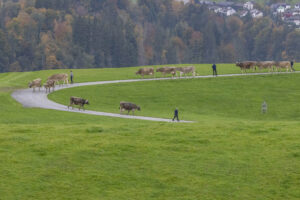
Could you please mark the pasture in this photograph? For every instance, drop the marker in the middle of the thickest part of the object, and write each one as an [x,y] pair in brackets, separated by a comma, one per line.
[231,152]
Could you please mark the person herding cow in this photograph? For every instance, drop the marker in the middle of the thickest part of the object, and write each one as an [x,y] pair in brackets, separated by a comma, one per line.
[214,67]
[78,101]
[176,115]
[129,107]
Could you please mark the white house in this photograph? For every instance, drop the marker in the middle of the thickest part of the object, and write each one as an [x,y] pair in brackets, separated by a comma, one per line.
[243,13]
[297,6]
[256,13]
[248,5]
[280,9]
[230,11]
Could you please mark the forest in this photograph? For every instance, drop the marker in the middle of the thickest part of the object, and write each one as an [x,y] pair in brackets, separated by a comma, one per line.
[53,34]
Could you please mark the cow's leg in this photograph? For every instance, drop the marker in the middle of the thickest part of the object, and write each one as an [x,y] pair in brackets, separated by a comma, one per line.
[128,112]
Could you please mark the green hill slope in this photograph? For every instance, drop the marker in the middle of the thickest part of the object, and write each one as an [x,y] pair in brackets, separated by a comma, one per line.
[46,154]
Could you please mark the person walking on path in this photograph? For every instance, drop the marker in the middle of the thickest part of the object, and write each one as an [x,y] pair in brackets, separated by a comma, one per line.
[264,107]
[292,64]
[214,67]
[71,76]
[176,115]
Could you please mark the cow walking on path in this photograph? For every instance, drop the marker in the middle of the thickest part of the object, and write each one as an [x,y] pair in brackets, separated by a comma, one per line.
[78,101]
[49,84]
[145,71]
[283,65]
[167,70]
[60,77]
[35,83]
[186,70]
[129,107]
[246,65]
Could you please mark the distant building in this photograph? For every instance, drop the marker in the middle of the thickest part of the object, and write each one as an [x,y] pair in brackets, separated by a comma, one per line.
[243,13]
[256,13]
[297,6]
[280,9]
[248,5]
[230,11]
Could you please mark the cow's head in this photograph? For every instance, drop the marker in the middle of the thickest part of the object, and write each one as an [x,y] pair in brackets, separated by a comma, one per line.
[86,102]
[139,108]
[138,72]
[30,84]
[159,69]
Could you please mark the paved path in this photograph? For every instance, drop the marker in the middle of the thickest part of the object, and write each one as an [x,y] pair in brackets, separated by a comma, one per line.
[39,99]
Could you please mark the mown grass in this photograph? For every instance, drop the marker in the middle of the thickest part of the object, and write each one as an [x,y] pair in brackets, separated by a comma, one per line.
[224,97]
[46,154]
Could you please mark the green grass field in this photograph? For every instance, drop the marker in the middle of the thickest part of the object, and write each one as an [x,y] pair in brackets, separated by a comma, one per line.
[231,152]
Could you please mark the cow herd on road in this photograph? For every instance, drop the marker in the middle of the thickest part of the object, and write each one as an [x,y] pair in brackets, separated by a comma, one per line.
[167,70]
[127,106]
[50,83]
[269,65]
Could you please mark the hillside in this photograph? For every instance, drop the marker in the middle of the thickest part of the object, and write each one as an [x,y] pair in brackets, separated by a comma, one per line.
[47,34]
[232,151]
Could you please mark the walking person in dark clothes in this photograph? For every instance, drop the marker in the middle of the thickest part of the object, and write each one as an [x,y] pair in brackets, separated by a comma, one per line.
[214,67]
[71,76]
[292,64]
[176,115]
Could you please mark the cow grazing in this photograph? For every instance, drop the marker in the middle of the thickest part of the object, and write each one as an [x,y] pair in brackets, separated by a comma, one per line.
[49,84]
[266,65]
[246,65]
[129,107]
[60,77]
[167,70]
[145,71]
[35,83]
[186,70]
[284,65]
[78,101]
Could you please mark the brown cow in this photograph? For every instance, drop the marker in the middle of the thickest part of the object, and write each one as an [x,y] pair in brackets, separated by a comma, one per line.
[78,101]
[49,84]
[129,107]
[167,70]
[35,83]
[284,65]
[145,71]
[246,65]
[266,65]
[59,77]
[186,70]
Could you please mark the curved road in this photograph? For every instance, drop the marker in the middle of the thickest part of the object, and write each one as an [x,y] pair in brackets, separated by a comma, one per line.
[40,100]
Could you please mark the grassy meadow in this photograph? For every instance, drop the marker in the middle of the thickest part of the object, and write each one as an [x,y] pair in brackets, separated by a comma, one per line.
[230,152]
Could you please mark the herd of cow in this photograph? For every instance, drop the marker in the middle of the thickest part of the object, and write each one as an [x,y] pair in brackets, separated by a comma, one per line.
[270,65]
[127,106]
[167,70]
[50,83]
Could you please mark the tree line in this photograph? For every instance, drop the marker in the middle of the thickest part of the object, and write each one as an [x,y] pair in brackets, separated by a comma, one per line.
[51,34]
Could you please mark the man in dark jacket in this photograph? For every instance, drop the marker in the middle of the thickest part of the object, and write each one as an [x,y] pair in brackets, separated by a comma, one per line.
[214,67]
[292,64]
[176,115]
[71,76]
